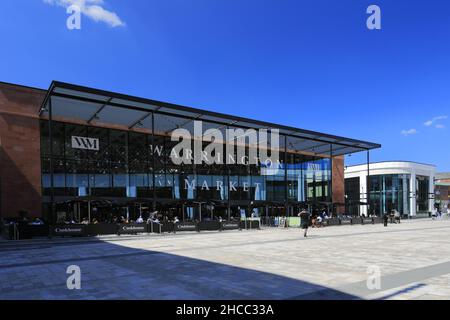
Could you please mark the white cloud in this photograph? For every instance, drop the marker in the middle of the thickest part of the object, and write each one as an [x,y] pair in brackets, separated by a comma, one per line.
[429,123]
[409,132]
[439,126]
[92,9]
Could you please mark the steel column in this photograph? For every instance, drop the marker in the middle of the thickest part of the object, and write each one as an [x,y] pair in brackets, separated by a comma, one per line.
[368,183]
[153,163]
[52,185]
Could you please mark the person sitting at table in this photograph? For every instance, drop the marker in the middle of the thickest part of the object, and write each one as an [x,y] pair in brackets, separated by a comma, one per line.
[319,221]
[37,222]
[391,216]
[140,220]
[94,221]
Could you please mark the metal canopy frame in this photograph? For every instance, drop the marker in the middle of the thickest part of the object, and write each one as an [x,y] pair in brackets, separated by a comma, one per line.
[104,102]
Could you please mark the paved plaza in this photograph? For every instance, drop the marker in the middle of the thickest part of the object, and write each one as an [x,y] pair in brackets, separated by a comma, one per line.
[413,259]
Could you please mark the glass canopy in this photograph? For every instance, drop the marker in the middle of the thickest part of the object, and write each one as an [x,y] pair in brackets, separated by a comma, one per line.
[98,107]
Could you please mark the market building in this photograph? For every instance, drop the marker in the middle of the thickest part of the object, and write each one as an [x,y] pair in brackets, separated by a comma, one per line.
[71,152]
[401,185]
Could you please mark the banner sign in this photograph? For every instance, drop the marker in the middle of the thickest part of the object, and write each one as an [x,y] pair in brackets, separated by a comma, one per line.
[186,227]
[69,230]
[230,225]
[85,143]
[132,228]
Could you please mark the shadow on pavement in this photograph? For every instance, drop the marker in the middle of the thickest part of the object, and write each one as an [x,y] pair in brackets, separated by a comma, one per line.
[113,271]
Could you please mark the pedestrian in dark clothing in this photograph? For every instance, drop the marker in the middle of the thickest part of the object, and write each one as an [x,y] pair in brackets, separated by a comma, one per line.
[304,221]
[386,219]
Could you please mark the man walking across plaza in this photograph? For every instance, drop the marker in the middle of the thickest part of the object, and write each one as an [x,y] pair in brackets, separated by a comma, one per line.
[386,219]
[304,221]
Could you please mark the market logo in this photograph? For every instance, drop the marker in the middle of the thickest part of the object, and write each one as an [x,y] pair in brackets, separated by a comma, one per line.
[85,143]
[244,147]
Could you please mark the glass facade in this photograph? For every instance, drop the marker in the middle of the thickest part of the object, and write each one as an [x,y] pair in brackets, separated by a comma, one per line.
[388,192]
[352,196]
[422,194]
[127,165]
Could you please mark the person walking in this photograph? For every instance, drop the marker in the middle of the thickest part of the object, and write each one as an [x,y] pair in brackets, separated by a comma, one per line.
[304,221]
[386,219]
[397,216]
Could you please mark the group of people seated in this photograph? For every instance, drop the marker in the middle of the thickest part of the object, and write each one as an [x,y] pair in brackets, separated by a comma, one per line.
[318,219]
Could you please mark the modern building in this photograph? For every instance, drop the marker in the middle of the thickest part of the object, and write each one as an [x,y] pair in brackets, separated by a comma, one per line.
[442,191]
[71,152]
[405,186]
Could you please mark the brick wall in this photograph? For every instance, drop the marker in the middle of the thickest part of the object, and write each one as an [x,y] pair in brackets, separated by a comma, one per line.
[20,165]
[338,182]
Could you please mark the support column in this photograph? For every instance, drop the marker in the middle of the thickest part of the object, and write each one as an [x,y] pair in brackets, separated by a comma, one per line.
[431,194]
[153,163]
[285,179]
[413,195]
[52,183]
[331,212]
[405,196]
[363,193]
[89,211]
[368,184]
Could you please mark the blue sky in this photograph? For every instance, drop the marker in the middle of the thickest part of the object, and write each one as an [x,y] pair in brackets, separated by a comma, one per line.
[309,64]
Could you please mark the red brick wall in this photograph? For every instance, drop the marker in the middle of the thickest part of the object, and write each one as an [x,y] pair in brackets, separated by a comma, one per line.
[20,165]
[338,182]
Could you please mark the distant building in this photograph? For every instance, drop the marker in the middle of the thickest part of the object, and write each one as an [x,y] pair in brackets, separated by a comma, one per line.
[405,186]
[442,190]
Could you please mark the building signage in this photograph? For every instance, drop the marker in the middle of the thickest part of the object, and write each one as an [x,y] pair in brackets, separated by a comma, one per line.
[230,225]
[133,228]
[186,226]
[85,143]
[68,230]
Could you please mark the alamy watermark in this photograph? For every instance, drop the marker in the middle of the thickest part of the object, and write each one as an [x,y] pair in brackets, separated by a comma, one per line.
[373,277]
[73,22]
[233,146]
[374,20]
[74,280]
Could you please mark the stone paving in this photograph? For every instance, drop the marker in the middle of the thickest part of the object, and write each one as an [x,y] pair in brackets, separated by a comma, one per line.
[332,263]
